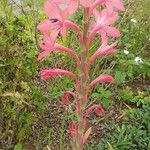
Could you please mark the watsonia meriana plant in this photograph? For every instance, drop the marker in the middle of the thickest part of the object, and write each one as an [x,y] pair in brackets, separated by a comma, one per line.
[98,18]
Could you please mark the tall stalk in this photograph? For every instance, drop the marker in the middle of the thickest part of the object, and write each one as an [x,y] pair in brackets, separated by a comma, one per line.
[58,23]
[83,80]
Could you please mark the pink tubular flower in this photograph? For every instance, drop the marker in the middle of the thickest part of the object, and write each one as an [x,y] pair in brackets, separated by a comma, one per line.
[117,4]
[47,45]
[100,79]
[65,97]
[104,20]
[73,128]
[104,50]
[58,11]
[45,74]
[97,108]
[69,51]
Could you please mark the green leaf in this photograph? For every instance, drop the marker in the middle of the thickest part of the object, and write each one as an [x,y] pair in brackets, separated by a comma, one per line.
[105,103]
[18,146]
[148,147]
[95,95]
[110,146]
[120,77]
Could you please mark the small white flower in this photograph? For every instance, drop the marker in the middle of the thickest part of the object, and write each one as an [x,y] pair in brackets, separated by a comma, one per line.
[126,52]
[138,60]
[133,20]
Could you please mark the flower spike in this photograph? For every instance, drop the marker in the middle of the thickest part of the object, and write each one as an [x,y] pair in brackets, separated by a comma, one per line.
[96,20]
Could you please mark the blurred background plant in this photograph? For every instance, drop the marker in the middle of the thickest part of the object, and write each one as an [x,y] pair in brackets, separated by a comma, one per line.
[29,120]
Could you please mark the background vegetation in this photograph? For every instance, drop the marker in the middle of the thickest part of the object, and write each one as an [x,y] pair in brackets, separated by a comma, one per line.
[31,115]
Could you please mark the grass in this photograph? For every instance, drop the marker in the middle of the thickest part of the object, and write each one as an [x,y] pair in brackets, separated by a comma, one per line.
[32,116]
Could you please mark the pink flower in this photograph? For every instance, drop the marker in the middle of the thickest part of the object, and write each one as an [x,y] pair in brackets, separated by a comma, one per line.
[45,74]
[103,50]
[47,45]
[110,4]
[91,3]
[57,12]
[73,128]
[100,79]
[117,4]
[104,20]
[97,108]
[65,97]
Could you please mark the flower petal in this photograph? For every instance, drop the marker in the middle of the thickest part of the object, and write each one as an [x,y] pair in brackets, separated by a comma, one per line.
[52,10]
[109,7]
[118,5]
[44,26]
[47,45]
[67,7]
[86,135]
[103,20]
[43,54]
[111,18]
[86,3]
[73,6]
[112,31]
[45,74]
[97,3]
[100,111]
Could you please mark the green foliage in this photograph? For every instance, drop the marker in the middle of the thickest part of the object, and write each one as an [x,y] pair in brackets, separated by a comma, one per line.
[132,133]
[18,146]
[127,95]
[23,102]
[120,77]
[102,96]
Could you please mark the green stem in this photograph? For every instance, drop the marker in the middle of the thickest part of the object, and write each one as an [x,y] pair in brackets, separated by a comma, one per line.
[83,81]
